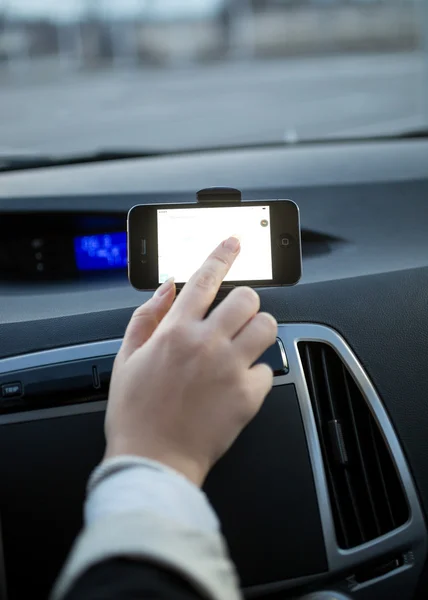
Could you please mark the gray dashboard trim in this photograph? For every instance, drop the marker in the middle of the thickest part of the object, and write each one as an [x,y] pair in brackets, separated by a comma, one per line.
[411,533]
[59,355]
[83,408]
[341,163]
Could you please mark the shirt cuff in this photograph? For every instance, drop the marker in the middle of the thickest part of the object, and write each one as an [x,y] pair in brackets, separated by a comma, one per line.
[130,484]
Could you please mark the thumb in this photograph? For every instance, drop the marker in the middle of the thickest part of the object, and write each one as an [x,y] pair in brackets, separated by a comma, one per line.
[146,318]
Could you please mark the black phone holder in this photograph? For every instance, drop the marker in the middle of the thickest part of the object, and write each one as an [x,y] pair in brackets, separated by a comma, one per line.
[220,195]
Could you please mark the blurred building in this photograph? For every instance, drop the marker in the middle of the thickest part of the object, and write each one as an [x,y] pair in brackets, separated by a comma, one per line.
[89,33]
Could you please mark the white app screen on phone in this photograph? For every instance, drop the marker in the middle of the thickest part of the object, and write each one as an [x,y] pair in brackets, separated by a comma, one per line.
[186,236]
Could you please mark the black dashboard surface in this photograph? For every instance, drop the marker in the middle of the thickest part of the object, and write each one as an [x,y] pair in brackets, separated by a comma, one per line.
[370,198]
[371,286]
[240,487]
[375,228]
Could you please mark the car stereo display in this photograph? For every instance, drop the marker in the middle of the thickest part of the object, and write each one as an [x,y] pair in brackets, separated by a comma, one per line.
[101,251]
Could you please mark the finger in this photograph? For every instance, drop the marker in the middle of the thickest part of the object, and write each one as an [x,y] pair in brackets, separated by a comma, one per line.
[256,337]
[200,291]
[146,318]
[260,381]
[230,316]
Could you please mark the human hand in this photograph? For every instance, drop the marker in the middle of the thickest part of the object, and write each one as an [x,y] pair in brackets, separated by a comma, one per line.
[183,386]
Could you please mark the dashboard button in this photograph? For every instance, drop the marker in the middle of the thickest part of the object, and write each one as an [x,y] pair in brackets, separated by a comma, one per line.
[105,367]
[276,357]
[11,390]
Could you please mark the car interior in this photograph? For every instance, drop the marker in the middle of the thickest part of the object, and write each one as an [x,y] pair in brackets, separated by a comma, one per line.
[325,494]
[327,489]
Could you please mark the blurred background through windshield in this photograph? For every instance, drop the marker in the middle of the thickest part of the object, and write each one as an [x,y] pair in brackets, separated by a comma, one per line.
[86,75]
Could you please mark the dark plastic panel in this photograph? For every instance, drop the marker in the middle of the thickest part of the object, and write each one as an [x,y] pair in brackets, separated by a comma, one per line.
[264,494]
[57,385]
[265,501]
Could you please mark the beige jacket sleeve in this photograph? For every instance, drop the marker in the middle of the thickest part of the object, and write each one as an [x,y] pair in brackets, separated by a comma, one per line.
[141,510]
[200,558]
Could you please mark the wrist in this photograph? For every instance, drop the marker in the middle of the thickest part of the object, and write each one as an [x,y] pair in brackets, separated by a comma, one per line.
[193,470]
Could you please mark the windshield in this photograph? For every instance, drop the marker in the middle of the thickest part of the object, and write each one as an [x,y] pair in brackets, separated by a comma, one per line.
[84,75]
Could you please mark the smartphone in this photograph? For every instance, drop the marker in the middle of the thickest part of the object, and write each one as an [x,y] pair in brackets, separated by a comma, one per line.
[173,240]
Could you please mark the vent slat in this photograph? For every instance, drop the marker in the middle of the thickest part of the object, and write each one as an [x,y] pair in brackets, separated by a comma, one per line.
[362,461]
[313,392]
[335,414]
[390,512]
[366,495]
[327,382]
[355,507]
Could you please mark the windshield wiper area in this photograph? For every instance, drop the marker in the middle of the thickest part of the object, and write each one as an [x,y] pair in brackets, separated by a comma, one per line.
[414,134]
[23,162]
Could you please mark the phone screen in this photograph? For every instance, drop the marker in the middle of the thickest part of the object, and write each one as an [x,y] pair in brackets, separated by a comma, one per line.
[187,236]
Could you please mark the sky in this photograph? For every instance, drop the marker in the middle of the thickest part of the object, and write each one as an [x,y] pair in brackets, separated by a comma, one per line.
[70,9]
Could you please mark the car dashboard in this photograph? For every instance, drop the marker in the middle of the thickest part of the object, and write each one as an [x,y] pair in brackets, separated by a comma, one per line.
[327,489]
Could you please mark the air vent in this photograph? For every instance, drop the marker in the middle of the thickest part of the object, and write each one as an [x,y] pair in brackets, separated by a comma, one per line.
[366,495]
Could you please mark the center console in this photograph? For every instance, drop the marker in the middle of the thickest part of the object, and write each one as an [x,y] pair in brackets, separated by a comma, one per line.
[315,494]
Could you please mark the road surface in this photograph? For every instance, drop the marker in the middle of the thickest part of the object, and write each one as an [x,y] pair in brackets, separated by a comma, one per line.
[236,102]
